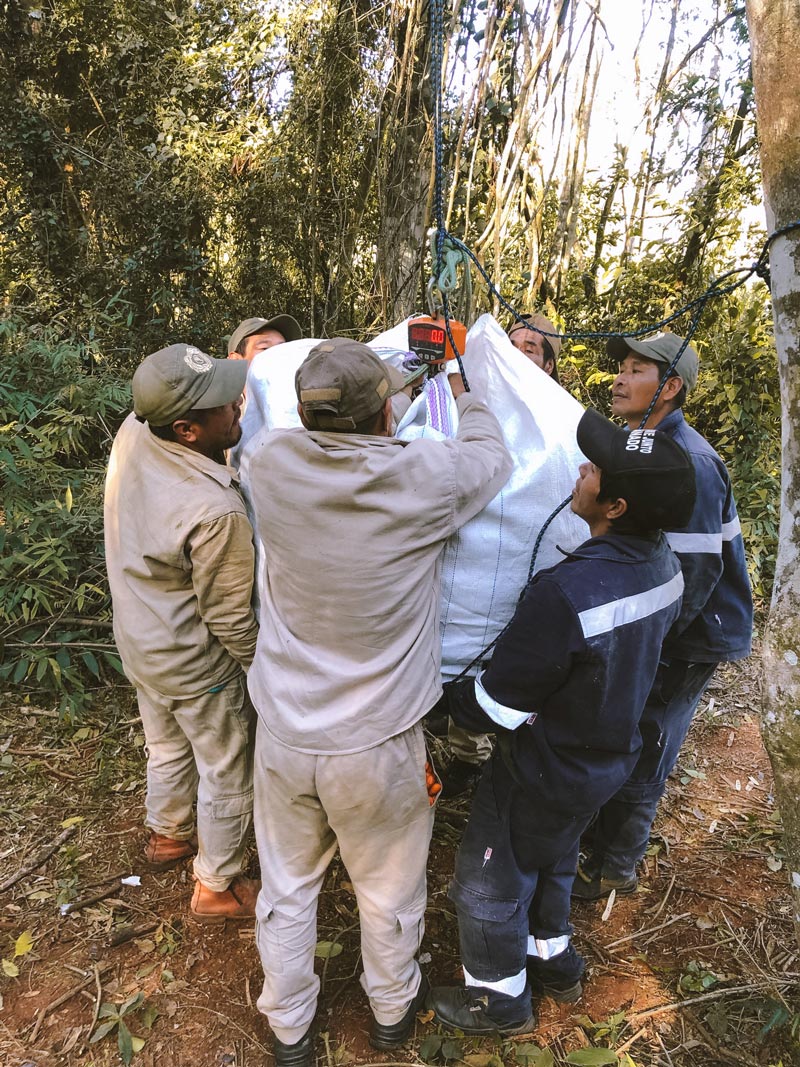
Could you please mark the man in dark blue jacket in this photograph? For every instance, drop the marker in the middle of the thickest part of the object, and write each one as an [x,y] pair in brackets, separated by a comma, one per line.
[563,692]
[715,622]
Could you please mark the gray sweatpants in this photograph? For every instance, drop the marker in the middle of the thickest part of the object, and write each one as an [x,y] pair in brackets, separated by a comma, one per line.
[374,804]
[202,748]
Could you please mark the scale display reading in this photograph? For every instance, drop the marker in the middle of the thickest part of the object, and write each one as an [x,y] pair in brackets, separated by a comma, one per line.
[431,334]
[428,340]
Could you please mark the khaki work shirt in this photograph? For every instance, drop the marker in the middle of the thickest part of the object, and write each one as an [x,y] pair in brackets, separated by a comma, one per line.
[350,530]
[180,560]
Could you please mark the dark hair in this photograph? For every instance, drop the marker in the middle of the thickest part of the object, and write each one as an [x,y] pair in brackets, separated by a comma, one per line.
[165,433]
[637,519]
[371,425]
[547,348]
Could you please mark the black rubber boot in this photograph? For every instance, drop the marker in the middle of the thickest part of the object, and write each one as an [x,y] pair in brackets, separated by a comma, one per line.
[393,1035]
[300,1054]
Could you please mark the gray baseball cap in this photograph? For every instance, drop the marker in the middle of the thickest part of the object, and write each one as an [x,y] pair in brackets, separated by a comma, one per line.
[661,348]
[342,382]
[284,324]
[172,381]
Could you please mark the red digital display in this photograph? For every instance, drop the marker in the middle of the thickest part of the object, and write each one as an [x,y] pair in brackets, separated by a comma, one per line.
[427,333]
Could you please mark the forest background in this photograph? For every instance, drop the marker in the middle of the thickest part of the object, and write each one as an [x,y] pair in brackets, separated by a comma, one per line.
[167,169]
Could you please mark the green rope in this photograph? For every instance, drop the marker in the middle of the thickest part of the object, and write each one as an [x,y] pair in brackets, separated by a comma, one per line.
[442,287]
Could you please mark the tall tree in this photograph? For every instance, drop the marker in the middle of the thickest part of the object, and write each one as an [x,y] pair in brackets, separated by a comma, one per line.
[774,30]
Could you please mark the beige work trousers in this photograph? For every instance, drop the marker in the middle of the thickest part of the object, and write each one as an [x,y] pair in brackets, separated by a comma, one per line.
[201,748]
[375,806]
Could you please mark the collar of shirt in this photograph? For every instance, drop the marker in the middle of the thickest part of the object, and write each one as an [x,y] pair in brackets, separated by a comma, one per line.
[671,421]
[220,472]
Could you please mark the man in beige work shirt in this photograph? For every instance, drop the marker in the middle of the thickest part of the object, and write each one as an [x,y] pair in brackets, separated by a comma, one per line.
[351,522]
[180,563]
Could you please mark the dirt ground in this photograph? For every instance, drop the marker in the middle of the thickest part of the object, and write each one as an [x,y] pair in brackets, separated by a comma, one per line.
[699,967]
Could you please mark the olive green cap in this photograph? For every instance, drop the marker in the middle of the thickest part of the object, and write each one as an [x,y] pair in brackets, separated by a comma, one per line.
[172,381]
[661,348]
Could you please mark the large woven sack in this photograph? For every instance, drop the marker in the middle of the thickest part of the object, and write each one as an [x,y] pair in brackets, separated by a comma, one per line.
[485,565]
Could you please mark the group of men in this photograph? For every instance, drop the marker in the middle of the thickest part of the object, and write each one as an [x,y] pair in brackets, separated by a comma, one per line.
[308,719]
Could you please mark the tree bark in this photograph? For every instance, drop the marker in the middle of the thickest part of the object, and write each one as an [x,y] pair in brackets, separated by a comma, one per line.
[774,30]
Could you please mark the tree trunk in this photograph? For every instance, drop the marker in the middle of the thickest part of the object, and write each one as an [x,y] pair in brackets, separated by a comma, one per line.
[774,31]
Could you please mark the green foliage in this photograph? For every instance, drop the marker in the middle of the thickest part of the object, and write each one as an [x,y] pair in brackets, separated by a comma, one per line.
[59,405]
[607,1030]
[113,1016]
[737,407]
[696,978]
[439,1048]
[529,1055]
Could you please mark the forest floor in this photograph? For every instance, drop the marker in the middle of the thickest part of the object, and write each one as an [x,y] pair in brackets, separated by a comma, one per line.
[698,967]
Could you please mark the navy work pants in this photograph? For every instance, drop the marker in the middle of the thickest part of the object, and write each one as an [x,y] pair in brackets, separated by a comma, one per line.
[622,830]
[513,877]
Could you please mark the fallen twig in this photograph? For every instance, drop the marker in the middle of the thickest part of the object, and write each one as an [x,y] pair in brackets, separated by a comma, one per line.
[96,1013]
[631,1040]
[38,859]
[740,1058]
[665,898]
[84,902]
[45,1011]
[651,930]
[128,933]
[717,993]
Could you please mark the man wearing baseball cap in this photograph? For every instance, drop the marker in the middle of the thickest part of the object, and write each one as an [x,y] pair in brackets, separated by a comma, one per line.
[716,619]
[537,338]
[563,693]
[255,335]
[180,560]
[351,523]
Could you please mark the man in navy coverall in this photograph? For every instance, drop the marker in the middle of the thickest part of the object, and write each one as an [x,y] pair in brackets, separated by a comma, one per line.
[563,692]
[715,623]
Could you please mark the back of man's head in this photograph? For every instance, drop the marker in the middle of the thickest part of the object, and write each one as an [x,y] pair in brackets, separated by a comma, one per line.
[342,386]
[645,468]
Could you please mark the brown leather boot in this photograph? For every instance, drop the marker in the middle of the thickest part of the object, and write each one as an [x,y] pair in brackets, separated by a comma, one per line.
[238,901]
[163,852]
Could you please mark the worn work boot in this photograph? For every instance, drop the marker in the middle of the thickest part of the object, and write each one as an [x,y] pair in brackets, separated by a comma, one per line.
[393,1035]
[559,977]
[238,901]
[465,1009]
[300,1054]
[163,852]
[592,883]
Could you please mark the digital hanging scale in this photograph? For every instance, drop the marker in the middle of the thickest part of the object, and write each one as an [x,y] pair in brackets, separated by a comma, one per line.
[427,338]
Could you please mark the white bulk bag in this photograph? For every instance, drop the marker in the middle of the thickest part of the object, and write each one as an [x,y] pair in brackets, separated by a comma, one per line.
[485,565]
